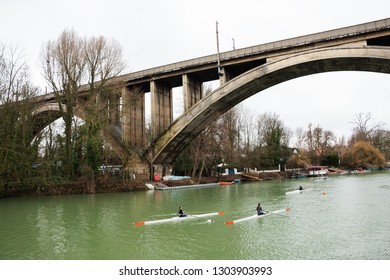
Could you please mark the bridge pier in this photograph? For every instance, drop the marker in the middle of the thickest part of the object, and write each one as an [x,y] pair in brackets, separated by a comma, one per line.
[133,116]
[162,169]
[224,76]
[162,109]
[113,109]
[192,91]
[136,168]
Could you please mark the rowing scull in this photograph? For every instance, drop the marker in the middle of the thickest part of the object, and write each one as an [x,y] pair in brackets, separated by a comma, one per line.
[299,191]
[257,216]
[178,219]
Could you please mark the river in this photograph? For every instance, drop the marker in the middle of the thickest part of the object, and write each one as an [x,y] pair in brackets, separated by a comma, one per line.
[343,218]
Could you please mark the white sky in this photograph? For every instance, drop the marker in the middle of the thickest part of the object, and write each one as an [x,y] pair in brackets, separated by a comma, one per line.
[154,33]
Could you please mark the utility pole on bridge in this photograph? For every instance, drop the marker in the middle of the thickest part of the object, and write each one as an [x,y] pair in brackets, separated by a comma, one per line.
[220,72]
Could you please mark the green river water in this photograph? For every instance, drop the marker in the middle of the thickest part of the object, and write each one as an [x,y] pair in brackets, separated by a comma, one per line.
[344,217]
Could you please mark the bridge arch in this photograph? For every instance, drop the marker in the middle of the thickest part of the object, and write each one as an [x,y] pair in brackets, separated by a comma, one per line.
[44,115]
[48,113]
[169,145]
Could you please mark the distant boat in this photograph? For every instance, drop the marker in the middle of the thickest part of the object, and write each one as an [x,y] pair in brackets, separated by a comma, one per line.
[175,178]
[298,175]
[256,216]
[321,178]
[178,219]
[299,191]
[226,183]
[316,171]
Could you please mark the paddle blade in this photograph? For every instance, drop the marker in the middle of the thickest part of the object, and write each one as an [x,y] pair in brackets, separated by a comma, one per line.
[138,224]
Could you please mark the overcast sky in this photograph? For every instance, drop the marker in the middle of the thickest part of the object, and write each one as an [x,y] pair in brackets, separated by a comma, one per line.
[155,33]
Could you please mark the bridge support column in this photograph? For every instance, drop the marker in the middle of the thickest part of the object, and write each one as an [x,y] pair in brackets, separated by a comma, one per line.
[162,109]
[113,107]
[192,91]
[133,116]
[162,170]
[224,76]
[136,168]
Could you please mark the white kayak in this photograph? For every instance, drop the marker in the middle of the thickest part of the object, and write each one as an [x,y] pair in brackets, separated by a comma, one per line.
[299,191]
[178,219]
[257,216]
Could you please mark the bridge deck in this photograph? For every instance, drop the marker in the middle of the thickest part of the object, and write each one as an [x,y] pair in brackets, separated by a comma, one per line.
[332,37]
[241,60]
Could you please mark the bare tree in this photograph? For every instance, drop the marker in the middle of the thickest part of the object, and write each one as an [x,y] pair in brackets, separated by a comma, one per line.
[381,140]
[363,131]
[103,63]
[70,61]
[247,122]
[63,64]
[300,138]
[205,149]
[16,126]
[230,135]
[319,142]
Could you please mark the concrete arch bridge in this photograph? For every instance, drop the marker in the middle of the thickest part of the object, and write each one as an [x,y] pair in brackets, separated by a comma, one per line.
[242,73]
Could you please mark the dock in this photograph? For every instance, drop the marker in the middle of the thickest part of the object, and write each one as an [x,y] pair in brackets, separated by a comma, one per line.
[161,187]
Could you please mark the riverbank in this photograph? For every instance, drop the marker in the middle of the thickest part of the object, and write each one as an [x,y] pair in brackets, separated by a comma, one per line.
[113,184]
[103,185]
[116,184]
[45,188]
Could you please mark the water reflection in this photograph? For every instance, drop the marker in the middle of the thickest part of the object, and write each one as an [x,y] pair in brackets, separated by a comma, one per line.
[51,230]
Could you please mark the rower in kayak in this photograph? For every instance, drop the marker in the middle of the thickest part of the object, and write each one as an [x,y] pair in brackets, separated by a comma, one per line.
[259,210]
[300,188]
[181,212]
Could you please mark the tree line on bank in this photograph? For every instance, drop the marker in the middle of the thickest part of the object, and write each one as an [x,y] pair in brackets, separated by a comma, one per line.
[238,138]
